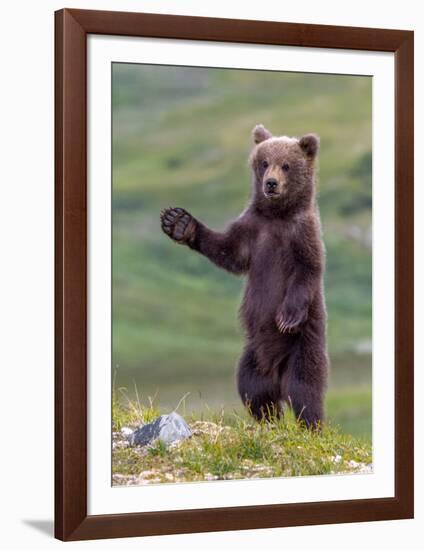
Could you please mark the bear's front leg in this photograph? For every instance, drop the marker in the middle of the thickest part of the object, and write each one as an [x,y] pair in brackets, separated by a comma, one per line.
[293,313]
[178,224]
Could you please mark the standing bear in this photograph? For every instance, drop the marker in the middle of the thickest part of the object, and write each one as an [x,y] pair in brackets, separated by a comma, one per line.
[277,243]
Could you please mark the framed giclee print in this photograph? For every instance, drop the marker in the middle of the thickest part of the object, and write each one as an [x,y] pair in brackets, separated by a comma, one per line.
[234,274]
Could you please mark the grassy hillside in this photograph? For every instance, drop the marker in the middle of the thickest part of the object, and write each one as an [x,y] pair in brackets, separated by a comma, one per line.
[231,446]
[181,137]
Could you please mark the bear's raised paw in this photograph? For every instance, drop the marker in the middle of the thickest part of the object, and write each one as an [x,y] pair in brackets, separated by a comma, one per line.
[178,224]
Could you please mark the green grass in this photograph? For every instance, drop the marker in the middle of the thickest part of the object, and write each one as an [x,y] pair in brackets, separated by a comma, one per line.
[181,137]
[233,446]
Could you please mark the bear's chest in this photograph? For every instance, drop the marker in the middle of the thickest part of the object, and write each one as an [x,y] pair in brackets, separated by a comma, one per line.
[272,255]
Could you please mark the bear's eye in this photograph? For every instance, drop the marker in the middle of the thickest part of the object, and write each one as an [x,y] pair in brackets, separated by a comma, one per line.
[265,164]
[285,167]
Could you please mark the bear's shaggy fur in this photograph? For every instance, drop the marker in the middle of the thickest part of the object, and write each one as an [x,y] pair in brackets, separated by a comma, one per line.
[277,243]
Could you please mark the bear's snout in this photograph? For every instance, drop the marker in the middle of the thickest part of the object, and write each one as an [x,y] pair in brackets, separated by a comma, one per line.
[271,184]
[272,188]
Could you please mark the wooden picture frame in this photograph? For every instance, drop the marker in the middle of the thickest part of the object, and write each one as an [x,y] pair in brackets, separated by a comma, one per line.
[71,30]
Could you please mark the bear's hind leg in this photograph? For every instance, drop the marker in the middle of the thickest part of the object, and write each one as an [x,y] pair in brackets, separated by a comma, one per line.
[259,392]
[306,384]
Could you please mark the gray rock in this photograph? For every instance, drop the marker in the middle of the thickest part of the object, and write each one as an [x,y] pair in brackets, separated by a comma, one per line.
[167,428]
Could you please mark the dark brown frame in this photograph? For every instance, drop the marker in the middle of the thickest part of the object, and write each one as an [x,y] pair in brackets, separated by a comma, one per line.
[71,30]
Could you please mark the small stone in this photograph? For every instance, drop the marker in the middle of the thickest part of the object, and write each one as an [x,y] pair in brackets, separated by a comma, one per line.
[122,444]
[125,431]
[168,428]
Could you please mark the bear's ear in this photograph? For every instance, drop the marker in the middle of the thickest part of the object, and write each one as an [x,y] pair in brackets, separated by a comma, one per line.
[260,133]
[309,145]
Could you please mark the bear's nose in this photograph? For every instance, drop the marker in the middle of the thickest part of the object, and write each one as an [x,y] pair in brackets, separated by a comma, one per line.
[271,184]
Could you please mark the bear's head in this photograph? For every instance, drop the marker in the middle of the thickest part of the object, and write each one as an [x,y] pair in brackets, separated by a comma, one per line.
[283,171]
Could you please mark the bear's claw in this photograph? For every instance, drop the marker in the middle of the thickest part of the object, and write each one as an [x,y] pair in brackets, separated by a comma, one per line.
[289,325]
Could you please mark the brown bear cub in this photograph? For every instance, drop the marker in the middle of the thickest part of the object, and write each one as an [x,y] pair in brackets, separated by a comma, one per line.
[277,243]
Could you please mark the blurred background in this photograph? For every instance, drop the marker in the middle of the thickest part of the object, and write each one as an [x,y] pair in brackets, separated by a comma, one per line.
[181,137]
